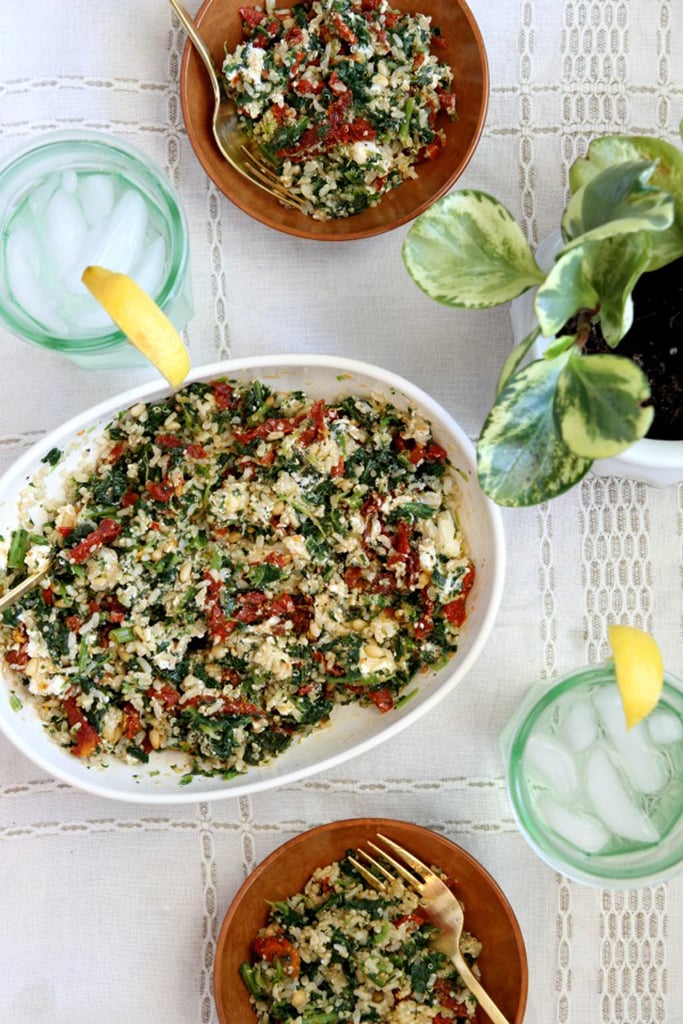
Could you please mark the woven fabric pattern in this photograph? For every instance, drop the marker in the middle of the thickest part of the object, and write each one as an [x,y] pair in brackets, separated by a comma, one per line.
[111,912]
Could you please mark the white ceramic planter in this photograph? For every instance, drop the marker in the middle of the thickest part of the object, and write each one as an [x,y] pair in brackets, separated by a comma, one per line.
[658,463]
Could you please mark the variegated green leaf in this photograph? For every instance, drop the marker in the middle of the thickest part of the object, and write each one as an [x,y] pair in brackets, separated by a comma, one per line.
[515,358]
[610,150]
[618,263]
[521,457]
[467,251]
[599,404]
[668,175]
[567,289]
[597,275]
[618,200]
[559,345]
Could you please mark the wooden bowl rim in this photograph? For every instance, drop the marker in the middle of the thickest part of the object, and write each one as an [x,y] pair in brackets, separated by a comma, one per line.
[196,98]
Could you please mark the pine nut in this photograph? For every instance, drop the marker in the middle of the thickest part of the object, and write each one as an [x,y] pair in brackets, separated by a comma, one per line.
[373,650]
[32,667]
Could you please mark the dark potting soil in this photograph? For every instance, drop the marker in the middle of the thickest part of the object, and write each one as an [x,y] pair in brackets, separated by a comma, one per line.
[655,343]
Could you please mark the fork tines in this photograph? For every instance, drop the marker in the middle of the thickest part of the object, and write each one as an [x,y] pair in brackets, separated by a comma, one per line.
[442,905]
[416,877]
[262,172]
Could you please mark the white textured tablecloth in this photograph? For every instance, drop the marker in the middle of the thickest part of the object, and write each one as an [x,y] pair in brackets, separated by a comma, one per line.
[109,911]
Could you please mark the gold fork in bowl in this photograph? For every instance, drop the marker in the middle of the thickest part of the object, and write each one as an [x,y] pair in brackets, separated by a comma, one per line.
[227,131]
[17,592]
[442,906]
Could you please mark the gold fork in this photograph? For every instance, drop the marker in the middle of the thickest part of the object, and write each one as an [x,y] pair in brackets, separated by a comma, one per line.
[20,589]
[442,906]
[227,131]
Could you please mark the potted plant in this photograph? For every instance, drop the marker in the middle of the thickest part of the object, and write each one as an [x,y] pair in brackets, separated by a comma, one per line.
[582,398]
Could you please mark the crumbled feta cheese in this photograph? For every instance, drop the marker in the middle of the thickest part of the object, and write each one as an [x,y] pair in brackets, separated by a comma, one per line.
[273,659]
[266,577]
[103,569]
[296,63]
[447,542]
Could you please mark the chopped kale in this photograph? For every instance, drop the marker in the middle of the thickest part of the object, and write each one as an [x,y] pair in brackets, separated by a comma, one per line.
[260,543]
[52,457]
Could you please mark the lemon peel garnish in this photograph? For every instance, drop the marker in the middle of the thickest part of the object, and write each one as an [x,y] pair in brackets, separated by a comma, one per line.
[145,325]
[639,671]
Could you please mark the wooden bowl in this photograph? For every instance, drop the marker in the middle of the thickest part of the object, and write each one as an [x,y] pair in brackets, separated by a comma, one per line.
[488,915]
[219,23]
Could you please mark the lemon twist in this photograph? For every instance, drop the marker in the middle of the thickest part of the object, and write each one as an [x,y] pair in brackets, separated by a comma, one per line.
[639,671]
[141,320]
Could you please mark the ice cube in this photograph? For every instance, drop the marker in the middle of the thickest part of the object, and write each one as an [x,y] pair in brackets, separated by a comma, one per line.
[23,247]
[664,726]
[580,829]
[69,181]
[553,764]
[89,316]
[120,243]
[610,709]
[24,270]
[646,767]
[65,229]
[612,803]
[40,196]
[96,196]
[148,272]
[579,727]
[115,242]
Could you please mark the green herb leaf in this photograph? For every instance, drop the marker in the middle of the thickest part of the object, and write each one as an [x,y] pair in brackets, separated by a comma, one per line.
[263,573]
[467,251]
[52,457]
[598,404]
[423,969]
[123,634]
[411,510]
[18,548]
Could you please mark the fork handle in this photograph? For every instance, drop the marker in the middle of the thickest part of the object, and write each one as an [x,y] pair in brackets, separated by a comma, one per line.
[484,999]
[199,44]
[23,588]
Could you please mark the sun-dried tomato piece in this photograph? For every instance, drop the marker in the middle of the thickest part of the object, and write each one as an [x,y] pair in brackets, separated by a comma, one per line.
[87,739]
[107,531]
[455,611]
[223,394]
[161,492]
[277,947]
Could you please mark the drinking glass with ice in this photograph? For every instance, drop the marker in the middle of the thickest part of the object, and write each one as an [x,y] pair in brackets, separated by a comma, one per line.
[600,803]
[72,200]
